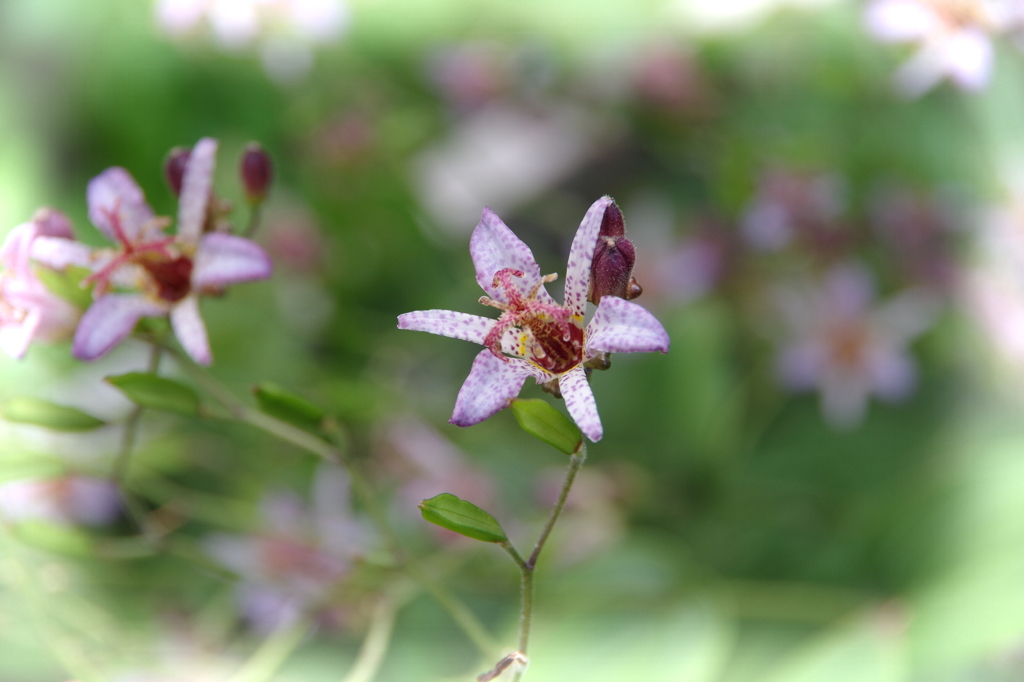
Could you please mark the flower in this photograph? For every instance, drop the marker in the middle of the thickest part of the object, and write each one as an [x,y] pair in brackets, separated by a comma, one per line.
[291,565]
[845,347]
[67,499]
[792,206]
[170,272]
[953,35]
[28,310]
[534,336]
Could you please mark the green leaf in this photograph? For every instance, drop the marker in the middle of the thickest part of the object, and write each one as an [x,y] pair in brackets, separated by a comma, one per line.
[49,415]
[465,518]
[539,419]
[67,284]
[157,393]
[288,407]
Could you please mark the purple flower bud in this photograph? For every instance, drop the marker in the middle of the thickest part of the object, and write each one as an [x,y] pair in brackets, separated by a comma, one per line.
[174,168]
[257,172]
[612,267]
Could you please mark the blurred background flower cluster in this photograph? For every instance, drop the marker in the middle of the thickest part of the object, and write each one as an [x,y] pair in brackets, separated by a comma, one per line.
[821,481]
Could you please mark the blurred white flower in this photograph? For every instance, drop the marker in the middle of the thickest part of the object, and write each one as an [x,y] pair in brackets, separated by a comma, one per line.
[291,564]
[284,30]
[65,500]
[845,346]
[502,156]
[953,39]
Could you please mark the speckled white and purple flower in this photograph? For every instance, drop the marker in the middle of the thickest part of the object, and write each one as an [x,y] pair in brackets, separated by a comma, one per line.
[534,336]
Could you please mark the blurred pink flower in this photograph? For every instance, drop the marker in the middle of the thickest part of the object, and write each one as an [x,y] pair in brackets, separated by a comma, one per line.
[28,310]
[952,37]
[534,336]
[919,231]
[469,75]
[593,521]
[847,348]
[170,272]
[429,464]
[289,566]
[69,499]
[791,206]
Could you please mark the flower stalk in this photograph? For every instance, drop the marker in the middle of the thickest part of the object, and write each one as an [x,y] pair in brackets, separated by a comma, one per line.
[528,566]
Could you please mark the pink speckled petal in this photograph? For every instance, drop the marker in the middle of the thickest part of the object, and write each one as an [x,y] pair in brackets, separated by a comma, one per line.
[447,323]
[117,205]
[195,190]
[620,326]
[494,247]
[189,328]
[579,400]
[226,259]
[14,253]
[58,253]
[15,337]
[108,321]
[581,254]
[490,385]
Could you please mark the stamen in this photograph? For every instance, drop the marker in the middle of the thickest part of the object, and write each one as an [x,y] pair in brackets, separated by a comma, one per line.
[487,300]
[546,279]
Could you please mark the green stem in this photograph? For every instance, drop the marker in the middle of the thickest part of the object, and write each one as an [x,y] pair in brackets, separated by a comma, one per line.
[463,617]
[528,567]
[255,212]
[131,427]
[272,654]
[575,463]
[371,653]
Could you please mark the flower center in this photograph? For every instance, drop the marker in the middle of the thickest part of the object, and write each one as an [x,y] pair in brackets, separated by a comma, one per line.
[172,276]
[848,345]
[544,333]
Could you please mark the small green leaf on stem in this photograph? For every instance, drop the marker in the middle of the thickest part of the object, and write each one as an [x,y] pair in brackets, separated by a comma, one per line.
[288,407]
[542,421]
[49,415]
[157,393]
[465,518]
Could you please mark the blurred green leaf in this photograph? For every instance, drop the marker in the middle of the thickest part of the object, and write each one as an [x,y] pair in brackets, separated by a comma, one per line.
[157,393]
[541,420]
[49,415]
[67,284]
[288,407]
[465,518]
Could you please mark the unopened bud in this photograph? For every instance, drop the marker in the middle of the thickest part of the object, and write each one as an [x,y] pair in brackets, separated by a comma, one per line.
[50,222]
[257,172]
[612,267]
[174,168]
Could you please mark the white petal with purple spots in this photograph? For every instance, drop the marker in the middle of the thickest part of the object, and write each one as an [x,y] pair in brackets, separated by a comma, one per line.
[195,190]
[490,385]
[225,259]
[579,400]
[494,247]
[190,330]
[581,254]
[117,204]
[620,326]
[447,323]
[108,321]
